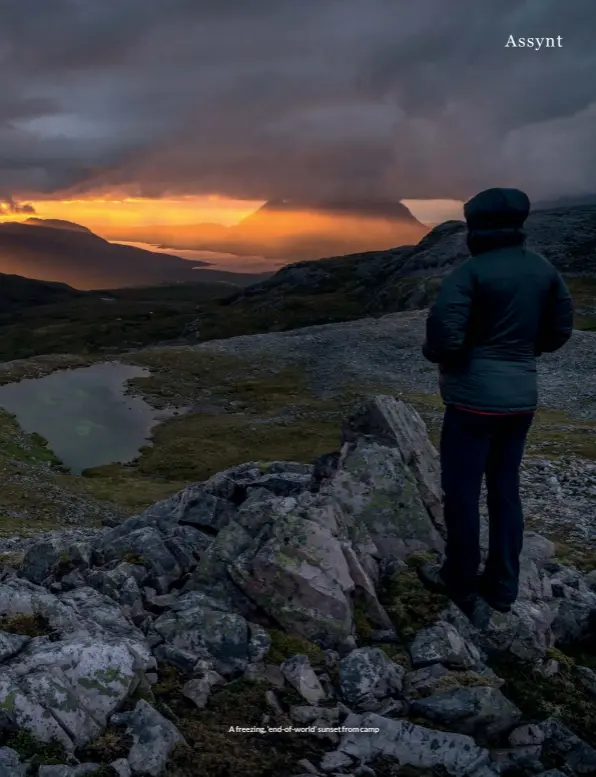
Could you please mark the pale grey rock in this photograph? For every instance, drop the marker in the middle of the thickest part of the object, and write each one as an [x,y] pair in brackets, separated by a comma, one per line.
[443,644]
[11,644]
[121,767]
[525,759]
[147,543]
[315,716]
[184,660]
[300,577]
[525,632]
[379,498]
[273,675]
[273,702]
[575,618]
[397,423]
[528,735]
[10,764]
[80,682]
[476,710]
[299,673]
[154,738]
[537,548]
[335,760]
[423,681]
[376,614]
[42,558]
[208,633]
[412,745]
[68,771]
[546,668]
[259,643]
[199,689]
[367,675]
[308,766]
[563,743]
[587,679]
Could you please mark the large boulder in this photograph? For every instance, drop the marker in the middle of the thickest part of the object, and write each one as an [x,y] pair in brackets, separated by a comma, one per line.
[366,676]
[300,576]
[476,710]
[386,482]
[408,744]
[201,627]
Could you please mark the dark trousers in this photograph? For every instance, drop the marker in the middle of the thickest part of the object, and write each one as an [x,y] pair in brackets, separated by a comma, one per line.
[473,445]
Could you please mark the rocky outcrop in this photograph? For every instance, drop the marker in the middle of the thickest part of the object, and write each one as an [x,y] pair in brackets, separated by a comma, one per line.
[199,582]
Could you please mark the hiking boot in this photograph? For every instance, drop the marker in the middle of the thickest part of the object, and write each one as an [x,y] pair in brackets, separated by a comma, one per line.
[431,578]
[480,614]
[497,604]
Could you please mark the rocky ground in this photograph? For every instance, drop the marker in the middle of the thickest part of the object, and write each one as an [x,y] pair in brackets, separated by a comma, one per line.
[268,622]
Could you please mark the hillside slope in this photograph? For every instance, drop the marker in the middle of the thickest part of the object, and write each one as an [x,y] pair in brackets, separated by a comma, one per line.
[377,282]
[18,293]
[71,254]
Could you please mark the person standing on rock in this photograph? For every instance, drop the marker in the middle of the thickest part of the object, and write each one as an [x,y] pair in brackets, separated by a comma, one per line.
[494,315]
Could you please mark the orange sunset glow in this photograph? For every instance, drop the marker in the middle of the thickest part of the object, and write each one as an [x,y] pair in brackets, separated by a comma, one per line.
[110,217]
[105,214]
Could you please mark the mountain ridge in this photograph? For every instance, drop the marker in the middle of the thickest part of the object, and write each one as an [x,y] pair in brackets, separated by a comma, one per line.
[76,256]
[293,229]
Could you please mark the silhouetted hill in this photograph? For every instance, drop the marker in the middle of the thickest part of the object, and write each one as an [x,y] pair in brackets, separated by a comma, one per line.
[18,293]
[57,224]
[567,202]
[69,253]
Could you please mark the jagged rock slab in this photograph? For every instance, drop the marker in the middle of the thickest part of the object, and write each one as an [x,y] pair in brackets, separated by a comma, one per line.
[443,644]
[367,675]
[299,673]
[398,424]
[10,763]
[377,491]
[301,578]
[562,742]
[412,745]
[476,710]
[154,738]
[203,629]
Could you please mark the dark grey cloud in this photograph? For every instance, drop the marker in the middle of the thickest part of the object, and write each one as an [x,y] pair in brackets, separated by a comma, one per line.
[300,98]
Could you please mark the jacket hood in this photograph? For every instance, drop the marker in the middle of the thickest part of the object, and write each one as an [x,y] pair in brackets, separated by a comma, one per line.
[495,209]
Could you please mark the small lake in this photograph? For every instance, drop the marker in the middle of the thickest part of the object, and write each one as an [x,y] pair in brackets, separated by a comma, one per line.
[84,413]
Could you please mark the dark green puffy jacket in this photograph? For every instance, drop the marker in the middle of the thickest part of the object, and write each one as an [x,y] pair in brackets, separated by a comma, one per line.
[493,316]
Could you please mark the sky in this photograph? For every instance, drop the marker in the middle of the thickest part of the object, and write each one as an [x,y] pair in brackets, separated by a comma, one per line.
[178,111]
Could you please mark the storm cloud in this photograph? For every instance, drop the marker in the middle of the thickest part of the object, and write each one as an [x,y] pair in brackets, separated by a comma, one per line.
[295,98]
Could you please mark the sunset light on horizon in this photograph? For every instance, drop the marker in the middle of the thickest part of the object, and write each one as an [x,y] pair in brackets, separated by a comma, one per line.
[105,214]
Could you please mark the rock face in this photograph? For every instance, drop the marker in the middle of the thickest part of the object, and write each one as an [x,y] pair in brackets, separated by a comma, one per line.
[197,582]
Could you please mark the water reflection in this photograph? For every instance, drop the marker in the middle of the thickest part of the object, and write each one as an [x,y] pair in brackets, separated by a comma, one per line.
[84,413]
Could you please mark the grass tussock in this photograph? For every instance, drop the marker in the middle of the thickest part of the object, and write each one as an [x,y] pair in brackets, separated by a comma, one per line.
[36,753]
[409,605]
[26,625]
[539,697]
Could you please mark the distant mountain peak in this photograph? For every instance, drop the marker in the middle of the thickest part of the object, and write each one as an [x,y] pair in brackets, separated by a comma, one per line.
[382,209]
[56,224]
